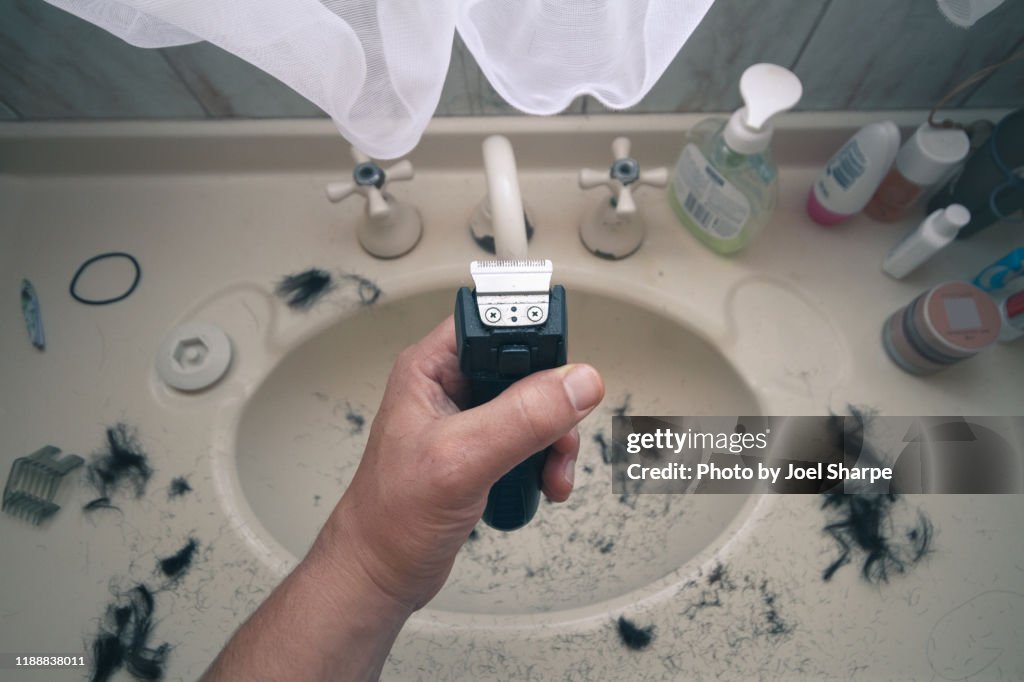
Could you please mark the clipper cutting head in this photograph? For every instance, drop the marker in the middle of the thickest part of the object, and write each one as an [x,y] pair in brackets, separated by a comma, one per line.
[512,293]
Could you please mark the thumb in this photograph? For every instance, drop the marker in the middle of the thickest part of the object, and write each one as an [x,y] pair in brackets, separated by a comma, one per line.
[525,418]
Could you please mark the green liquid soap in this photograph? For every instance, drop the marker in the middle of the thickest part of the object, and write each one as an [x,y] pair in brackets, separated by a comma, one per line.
[725,184]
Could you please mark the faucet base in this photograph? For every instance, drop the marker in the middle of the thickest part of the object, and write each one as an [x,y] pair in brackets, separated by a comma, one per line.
[394,234]
[612,236]
[481,226]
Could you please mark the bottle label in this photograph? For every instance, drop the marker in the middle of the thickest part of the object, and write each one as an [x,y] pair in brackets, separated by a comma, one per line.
[848,165]
[711,201]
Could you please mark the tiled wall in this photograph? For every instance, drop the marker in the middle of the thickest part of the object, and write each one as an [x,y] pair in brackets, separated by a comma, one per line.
[850,54]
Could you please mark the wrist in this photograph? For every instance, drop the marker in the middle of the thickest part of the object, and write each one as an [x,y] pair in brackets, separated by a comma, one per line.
[326,620]
[337,562]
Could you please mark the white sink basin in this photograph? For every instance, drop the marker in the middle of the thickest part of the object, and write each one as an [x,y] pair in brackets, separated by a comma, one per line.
[301,434]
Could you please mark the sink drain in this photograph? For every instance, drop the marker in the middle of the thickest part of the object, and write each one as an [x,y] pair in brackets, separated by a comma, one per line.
[193,356]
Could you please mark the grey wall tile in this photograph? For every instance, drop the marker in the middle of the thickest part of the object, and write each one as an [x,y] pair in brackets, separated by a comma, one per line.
[228,86]
[885,54]
[54,65]
[734,34]
[6,113]
[1005,87]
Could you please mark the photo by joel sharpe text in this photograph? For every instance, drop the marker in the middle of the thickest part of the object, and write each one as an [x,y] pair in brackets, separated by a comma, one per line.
[809,454]
[761,472]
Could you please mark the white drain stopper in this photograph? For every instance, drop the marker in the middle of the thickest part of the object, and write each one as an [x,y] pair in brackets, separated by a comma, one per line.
[194,356]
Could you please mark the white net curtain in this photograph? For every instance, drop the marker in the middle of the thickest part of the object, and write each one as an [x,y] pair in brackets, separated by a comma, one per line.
[377,66]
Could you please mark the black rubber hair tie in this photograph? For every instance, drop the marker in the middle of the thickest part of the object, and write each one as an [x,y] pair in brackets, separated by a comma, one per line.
[105,301]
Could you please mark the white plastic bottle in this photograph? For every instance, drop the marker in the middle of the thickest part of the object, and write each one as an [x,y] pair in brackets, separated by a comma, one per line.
[929,155]
[726,183]
[852,175]
[930,237]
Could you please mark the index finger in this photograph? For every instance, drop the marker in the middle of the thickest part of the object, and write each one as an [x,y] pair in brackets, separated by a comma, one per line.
[438,360]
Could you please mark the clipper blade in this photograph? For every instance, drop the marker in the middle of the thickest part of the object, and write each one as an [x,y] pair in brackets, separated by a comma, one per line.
[512,293]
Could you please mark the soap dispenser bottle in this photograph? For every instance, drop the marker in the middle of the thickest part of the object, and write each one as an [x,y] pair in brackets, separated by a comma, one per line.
[725,182]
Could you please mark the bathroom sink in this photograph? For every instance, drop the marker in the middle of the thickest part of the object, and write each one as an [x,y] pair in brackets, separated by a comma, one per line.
[267,451]
[301,434]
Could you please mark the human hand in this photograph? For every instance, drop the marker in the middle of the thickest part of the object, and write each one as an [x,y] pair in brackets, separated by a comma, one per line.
[423,480]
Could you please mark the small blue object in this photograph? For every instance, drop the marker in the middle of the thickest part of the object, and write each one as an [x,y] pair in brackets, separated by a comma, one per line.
[33,318]
[1002,272]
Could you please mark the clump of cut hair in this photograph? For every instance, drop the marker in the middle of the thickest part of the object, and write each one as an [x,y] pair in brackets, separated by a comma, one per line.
[367,289]
[178,563]
[179,486]
[123,639]
[634,637]
[122,464]
[871,528]
[303,289]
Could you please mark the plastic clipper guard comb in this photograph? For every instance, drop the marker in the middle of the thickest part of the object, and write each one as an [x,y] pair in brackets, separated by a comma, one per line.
[33,483]
[511,325]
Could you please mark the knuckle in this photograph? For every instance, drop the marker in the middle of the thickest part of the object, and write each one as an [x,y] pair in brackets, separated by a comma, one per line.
[405,358]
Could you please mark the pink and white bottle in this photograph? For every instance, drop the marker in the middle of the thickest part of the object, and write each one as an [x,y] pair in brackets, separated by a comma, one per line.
[851,177]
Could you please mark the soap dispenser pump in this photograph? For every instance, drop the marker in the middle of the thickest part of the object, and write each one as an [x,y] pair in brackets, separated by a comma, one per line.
[725,183]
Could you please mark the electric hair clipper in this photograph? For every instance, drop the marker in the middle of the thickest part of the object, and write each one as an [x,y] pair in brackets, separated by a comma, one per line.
[511,325]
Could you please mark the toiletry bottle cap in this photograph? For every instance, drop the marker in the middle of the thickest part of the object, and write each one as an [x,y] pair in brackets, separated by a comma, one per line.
[1014,305]
[767,90]
[930,152]
[949,220]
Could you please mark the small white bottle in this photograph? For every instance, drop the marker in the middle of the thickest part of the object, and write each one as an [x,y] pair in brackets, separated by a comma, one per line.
[930,237]
[1011,309]
[852,175]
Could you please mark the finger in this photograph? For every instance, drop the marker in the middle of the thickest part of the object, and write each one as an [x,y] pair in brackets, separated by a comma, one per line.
[524,419]
[560,467]
[426,376]
[436,358]
[440,340]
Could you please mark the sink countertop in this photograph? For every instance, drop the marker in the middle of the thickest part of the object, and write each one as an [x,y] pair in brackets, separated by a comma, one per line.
[217,213]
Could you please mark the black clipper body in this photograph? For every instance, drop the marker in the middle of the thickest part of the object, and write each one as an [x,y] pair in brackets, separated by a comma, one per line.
[493,357]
